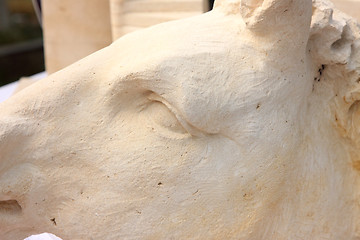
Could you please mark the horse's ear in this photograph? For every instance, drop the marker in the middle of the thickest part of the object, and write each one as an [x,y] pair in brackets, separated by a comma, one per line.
[269,14]
[251,10]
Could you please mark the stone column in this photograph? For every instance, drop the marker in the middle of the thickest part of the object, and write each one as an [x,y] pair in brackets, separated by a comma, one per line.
[128,16]
[73,30]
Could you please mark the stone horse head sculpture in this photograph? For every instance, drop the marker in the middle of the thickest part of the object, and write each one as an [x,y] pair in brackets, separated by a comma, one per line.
[241,123]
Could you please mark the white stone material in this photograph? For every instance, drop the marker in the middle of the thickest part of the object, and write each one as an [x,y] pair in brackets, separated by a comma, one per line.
[43,236]
[7,90]
[241,123]
[12,88]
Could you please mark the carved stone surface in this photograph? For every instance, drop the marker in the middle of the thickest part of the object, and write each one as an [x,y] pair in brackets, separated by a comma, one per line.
[241,123]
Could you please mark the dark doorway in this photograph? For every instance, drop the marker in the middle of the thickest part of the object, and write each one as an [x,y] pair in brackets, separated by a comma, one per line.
[21,47]
[211,4]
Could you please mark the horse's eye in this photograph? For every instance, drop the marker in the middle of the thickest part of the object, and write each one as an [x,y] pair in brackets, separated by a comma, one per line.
[161,115]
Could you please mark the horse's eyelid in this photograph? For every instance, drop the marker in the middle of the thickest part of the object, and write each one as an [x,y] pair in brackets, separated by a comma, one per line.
[155,97]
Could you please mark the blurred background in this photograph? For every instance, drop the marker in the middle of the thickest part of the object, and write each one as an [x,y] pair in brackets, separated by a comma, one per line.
[21,45]
[74,29]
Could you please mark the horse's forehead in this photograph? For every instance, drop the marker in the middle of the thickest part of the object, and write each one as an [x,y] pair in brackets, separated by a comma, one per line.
[200,33]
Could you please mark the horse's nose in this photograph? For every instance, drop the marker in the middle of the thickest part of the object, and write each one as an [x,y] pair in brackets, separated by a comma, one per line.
[21,181]
[20,190]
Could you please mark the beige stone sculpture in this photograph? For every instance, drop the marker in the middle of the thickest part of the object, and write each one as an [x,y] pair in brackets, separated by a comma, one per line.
[241,123]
